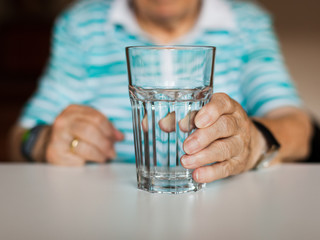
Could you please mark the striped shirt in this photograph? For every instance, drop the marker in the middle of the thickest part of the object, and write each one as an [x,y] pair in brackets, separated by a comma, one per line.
[88,65]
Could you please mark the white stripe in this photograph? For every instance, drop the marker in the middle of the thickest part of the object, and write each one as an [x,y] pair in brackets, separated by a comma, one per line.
[278,103]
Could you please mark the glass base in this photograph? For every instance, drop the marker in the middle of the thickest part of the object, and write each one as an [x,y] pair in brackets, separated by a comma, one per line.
[172,185]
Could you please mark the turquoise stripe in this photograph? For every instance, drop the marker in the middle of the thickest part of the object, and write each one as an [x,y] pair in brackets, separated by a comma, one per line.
[217,32]
[114,68]
[269,85]
[127,130]
[125,159]
[116,119]
[92,21]
[228,71]
[263,54]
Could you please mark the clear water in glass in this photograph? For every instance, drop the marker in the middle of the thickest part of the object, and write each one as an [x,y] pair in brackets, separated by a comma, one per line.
[158,118]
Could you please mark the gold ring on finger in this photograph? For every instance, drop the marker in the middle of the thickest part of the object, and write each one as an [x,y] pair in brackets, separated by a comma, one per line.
[74,144]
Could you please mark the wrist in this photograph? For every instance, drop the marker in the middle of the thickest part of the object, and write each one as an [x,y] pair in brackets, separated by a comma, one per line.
[272,146]
[40,148]
[258,146]
[34,143]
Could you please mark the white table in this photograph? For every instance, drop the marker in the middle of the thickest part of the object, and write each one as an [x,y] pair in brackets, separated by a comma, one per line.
[102,202]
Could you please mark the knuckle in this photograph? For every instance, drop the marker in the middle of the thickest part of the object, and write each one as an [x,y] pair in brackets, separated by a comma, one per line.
[197,138]
[223,149]
[235,141]
[241,114]
[224,97]
[201,137]
[226,101]
[247,128]
[201,158]
[59,122]
[63,117]
[227,169]
[87,130]
[238,144]
[70,108]
[225,123]
[241,167]
[230,124]
[98,119]
[233,122]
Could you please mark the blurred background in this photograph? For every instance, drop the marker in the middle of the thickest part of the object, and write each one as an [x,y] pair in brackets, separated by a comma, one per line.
[25,31]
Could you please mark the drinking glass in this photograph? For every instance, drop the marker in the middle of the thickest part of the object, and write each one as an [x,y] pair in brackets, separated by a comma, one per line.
[167,86]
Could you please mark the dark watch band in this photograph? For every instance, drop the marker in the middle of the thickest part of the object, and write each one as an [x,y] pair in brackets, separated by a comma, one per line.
[272,144]
[271,140]
[29,139]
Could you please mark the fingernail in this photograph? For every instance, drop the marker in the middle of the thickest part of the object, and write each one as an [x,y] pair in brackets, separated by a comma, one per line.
[187,161]
[190,146]
[196,176]
[202,120]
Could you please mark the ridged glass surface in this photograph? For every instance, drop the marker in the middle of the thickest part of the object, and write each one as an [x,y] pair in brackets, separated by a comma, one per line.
[162,120]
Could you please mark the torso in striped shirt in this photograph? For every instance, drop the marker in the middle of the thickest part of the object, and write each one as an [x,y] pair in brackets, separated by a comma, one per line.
[88,66]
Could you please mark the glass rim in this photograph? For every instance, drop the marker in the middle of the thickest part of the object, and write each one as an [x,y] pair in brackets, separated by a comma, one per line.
[173,47]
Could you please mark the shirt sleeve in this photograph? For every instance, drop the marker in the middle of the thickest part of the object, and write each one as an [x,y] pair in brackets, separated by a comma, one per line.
[265,81]
[62,80]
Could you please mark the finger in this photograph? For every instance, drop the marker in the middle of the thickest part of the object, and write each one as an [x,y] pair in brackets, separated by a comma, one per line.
[103,124]
[86,131]
[57,155]
[218,151]
[88,152]
[187,123]
[144,123]
[225,126]
[219,104]
[168,123]
[213,172]
[119,136]
[91,115]
[69,160]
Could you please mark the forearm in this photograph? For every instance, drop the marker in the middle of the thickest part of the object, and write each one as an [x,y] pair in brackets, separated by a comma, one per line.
[292,128]
[39,149]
